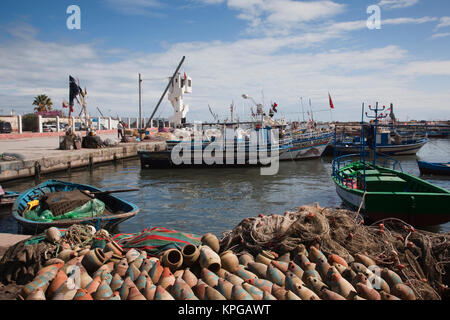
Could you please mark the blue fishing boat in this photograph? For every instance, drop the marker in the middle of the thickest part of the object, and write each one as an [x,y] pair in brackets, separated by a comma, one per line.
[386,144]
[434,168]
[61,204]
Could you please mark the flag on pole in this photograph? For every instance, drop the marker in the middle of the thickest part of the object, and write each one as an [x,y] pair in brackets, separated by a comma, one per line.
[331,101]
[274,106]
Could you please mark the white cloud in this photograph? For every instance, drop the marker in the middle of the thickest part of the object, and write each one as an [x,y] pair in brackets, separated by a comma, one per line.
[221,72]
[440,35]
[444,22]
[279,17]
[135,7]
[397,4]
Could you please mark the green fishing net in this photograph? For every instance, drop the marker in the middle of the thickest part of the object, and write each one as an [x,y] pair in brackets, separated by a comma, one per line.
[92,208]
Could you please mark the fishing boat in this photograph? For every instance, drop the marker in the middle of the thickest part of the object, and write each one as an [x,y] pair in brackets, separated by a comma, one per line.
[231,149]
[398,145]
[379,189]
[7,198]
[61,204]
[308,144]
[434,168]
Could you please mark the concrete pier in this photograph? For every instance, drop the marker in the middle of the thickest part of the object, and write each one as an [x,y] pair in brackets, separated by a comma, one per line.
[41,156]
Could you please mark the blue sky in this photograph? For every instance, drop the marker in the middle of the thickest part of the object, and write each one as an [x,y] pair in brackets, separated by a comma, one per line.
[279,49]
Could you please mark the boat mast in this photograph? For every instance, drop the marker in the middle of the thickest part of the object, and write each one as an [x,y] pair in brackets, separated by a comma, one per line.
[376,109]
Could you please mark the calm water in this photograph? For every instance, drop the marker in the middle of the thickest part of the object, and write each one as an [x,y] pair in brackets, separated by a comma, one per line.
[216,200]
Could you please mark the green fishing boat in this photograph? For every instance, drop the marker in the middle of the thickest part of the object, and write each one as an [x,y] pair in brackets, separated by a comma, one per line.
[379,189]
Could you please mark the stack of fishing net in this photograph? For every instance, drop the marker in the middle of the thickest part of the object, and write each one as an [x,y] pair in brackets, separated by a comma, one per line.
[21,262]
[421,258]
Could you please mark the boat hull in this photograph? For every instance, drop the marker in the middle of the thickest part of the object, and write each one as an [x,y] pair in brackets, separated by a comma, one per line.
[390,150]
[434,168]
[163,159]
[306,150]
[401,150]
[417,209]
[122,210]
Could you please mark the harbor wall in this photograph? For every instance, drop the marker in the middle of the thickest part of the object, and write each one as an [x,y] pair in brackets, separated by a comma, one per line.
[69,159]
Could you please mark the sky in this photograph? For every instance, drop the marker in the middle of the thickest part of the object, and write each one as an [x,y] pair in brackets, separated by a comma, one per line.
[282,51]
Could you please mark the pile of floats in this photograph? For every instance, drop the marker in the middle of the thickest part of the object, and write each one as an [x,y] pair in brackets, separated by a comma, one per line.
[204,273]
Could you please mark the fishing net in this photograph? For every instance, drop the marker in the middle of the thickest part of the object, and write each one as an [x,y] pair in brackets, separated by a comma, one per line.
[421,258]
[156,240]
[92,208]
[21,262]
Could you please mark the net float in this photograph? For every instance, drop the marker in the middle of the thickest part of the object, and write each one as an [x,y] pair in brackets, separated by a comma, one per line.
[167,278]
[268,296]
[239,293]
[291,281]
[260,269]
[367,292]
[213,294]
[315,254]
[245,258]
[327,294]
[116,282]
[341,286]
[229,261]
[365,260]
[234,279]
[391,277]
[82,294]
[190,254]
[156,271]
[404,292]
[135,294]
[256,293]
[295,269]
[387,296]
[275,275]
[211,241]
[291,296]
[334,258]
[262,284]
[149,291]
[245,274]
[305,293]
[209,277]
[209,259]
[103,292]
[281,265]
[279,292]
[189,277]
[225,288]
[162,294]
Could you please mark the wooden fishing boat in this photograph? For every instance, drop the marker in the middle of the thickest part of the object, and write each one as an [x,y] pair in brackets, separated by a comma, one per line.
[380,189]
[115,210]
[7,199]
[434,168]
[381,192]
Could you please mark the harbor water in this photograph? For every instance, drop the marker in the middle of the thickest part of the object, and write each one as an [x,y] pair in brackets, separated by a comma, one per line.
[216,200]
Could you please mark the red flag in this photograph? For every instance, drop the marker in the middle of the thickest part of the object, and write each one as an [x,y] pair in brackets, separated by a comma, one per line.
[185,76]
[331,101]
[274,107]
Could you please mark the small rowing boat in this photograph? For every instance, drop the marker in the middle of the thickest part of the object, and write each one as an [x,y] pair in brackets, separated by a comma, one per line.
[442,169]
[61,204]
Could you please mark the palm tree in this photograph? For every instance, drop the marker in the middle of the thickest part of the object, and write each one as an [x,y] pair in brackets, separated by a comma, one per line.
[42,103]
